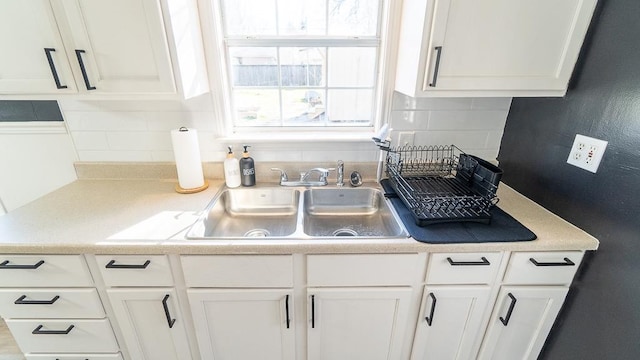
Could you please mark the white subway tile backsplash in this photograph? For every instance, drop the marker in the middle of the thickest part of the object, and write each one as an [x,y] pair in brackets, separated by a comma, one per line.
[404,102]
[167,121]
[110,155]
[465,140]
[491,103]
[409,120]
[467,120]
[90,140]
[139,141]
[105,121]
[140,130]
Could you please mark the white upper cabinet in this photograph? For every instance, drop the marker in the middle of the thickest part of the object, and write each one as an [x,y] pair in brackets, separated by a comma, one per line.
[490,47]
[117,46]
[33,56]
[93,48]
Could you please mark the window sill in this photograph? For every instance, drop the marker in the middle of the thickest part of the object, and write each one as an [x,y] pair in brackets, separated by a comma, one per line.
[33,127]
[304,136]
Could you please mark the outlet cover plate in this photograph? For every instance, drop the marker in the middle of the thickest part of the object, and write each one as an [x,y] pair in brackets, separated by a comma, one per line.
[406,138]
[587,152]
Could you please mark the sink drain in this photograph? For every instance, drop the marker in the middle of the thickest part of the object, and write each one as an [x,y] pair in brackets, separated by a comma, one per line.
[257,233]
[345,232]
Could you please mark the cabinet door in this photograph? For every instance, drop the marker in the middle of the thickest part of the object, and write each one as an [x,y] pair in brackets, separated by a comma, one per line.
[117,46]
[151,323]
[451,322]
[505,44]
[244,324]
[27,29]
[356,323]
[521,321]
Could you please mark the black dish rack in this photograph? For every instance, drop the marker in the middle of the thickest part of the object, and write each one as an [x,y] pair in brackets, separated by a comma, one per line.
[443,184]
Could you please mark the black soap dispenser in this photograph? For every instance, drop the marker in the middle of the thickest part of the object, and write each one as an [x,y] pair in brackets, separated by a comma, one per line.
[247,168]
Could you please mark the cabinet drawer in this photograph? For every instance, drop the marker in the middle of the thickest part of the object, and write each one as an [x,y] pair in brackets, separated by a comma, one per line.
[44,271]
[463,268]
[238,270]
[73,357]
[544,268]
[68,336]
[362,269]
[135,270]
[50,303]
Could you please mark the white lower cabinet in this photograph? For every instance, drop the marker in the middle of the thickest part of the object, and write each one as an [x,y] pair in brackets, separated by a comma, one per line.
[73,357]
[356,323]
[521,321]
[450,322]
[244,323]
[151,323]
[63,335]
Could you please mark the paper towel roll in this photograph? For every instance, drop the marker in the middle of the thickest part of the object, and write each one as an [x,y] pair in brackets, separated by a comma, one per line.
[187,153]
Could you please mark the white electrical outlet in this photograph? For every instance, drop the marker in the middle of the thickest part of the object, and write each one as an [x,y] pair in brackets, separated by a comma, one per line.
[405,138]
[587,152]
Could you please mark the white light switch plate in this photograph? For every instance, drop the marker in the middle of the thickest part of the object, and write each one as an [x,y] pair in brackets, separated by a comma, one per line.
[587,152]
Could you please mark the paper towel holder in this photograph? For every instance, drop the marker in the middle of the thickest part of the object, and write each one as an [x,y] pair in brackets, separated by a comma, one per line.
[193,167]
[180,190]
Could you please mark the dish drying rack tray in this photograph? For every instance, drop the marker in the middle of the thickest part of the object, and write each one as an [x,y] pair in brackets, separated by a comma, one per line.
[443,184]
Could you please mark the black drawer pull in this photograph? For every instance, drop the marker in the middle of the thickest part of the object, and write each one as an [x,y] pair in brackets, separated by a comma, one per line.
[567,262]
[170,321]
[21,301]
[505,321]
[37,331]
[84,70]
[54,72]
[483,261]
[286,308]
[313,311]
[5,265]
[112,265]
[429,318]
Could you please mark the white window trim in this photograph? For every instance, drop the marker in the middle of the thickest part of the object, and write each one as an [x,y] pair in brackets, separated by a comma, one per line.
[220,88]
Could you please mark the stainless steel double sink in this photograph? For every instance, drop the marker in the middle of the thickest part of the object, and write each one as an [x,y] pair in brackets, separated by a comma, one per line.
[297,213]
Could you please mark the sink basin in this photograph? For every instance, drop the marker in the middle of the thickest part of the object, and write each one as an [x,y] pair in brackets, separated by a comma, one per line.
[360,212]
[245,213]
[297,213]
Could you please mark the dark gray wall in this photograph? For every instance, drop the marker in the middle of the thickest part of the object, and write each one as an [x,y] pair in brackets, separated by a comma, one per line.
[24,110]
[601,319]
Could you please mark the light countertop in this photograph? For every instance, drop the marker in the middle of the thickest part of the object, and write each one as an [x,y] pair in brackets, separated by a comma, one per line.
[148,216]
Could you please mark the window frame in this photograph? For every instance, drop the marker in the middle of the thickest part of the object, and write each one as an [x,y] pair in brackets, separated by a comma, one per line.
[221,89]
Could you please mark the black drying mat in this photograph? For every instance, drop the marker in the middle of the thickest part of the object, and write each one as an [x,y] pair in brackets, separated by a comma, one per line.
[503,226]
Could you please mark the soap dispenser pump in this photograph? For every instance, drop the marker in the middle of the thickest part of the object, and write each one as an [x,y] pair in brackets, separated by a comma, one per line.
[247,168]
[231,170]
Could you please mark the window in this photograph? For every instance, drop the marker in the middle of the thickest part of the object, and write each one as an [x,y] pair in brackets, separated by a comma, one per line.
[302,63]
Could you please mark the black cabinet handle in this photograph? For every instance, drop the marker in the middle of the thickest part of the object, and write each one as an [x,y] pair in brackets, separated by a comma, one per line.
[313,311]
[505,320]
[567,262]
[112,265]
[433,309]
[52,66]
[170,321]
[37,331]
[286,307]
[5,265]
[483,261]
[21,301]
[84,70]
[437,68]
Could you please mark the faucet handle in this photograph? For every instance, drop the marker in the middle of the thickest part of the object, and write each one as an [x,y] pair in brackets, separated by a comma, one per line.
[325,173]
[283,174]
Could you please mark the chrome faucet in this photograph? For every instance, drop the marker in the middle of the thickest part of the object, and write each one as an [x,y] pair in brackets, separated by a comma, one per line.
[323,174]
[340,173]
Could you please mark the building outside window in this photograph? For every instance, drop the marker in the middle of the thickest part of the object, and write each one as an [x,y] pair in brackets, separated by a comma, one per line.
[302,63]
